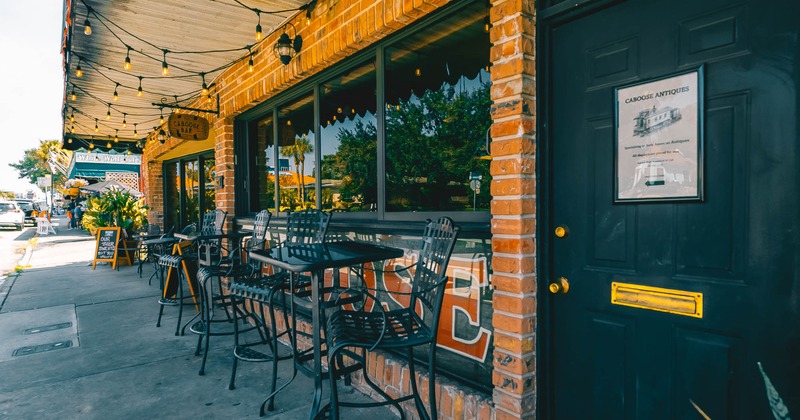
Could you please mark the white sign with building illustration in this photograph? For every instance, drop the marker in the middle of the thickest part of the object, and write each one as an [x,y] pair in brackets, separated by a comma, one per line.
[658,139]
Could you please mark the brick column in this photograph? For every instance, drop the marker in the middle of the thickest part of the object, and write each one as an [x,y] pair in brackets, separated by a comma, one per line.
[513,207]
[154,186]
[224,160]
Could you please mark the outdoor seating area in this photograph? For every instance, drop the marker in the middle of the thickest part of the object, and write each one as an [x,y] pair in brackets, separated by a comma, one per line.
[274,295]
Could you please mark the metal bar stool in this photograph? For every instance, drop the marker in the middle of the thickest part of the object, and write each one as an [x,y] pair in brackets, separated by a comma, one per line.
[172,262]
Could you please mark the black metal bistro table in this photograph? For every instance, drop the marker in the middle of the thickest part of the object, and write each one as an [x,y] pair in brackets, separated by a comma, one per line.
[316,258]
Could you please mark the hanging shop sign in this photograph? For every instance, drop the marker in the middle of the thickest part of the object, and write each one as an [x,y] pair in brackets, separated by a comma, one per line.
[187,127]
[659,139]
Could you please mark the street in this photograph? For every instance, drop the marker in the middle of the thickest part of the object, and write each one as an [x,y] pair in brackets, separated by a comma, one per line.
[12,247]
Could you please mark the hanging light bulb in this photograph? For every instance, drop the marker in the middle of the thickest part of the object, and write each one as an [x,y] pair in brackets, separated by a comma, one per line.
[116,136]
[73,96]
[96,128]
[91,145]
[134,130]
[72,115]
[69,141]
[204,87]
[116,95]
[129,152]
[139,91]
[418,72]
[72,130]
[258,27]
[127,65]
[78,69]
[108,145]
[108,113]
[124,120]
[250,63]
[164,66]
[308,17]
[161,118]
[87,27]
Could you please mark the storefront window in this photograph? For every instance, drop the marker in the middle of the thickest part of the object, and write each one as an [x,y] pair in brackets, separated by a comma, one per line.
[189,190]
[349,141]
[437,115]
[262,161]
[209,184]
[296,164]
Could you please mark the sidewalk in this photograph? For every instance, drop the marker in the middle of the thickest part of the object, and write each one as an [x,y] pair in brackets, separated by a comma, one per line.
[104,357]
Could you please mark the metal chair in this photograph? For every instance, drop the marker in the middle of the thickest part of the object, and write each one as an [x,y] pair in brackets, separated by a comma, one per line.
[303,227]
[172,262]
[211,299]
[400,329]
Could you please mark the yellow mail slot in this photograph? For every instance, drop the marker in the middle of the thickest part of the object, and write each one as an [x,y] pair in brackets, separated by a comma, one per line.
[679,302]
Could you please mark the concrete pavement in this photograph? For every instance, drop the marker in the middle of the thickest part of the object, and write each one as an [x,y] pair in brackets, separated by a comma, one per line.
[82,343]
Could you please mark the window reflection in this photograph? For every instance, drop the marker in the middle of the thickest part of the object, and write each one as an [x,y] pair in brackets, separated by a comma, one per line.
[437,115]
[349,141]
[261,160]
[295,166]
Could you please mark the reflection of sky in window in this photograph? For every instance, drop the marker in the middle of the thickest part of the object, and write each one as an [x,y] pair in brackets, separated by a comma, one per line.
[330,132]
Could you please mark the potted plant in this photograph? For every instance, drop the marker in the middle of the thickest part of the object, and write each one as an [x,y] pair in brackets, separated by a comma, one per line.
[115,208]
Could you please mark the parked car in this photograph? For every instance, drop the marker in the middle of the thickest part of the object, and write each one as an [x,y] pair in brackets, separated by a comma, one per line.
[11,215]
[30,208]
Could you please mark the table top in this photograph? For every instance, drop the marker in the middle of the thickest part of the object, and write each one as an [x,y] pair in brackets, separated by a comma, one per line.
[159,241]
[198,236]
[312,257]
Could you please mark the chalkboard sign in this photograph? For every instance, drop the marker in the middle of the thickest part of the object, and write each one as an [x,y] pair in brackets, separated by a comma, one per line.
[106,247]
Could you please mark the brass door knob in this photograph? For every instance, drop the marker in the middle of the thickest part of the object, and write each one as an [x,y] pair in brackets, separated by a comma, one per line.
[559,286]
[561,231]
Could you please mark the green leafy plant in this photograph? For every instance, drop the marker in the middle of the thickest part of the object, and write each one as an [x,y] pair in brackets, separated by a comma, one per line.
[115,208]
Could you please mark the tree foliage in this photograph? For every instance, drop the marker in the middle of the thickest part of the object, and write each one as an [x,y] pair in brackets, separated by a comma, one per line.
[34,164]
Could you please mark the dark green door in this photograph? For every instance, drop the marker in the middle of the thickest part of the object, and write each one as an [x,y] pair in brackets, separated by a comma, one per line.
[738,247]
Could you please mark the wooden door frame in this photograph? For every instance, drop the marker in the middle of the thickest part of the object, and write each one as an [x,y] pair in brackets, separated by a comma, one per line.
[546,19]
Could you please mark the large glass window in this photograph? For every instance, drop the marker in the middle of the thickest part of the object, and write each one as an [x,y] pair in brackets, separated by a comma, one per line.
[349,139]
[422,149]
[437,115]
[296,163]
[189,190]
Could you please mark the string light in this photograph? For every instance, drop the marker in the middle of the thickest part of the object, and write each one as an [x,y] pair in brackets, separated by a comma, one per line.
[87,27]
[258,27]
[127,65]
[161,118]
[78,69]
[72,116]
[108,113]
[73,96]
[134,130]
[164,66]
[116,135]
[250,63]
[91,145]
[69,140]
[204,88]
[116,95]
[124,120]
[108,145]
[139,91]
[96,128]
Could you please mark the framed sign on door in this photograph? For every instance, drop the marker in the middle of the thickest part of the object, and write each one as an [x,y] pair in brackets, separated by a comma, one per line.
[659,139]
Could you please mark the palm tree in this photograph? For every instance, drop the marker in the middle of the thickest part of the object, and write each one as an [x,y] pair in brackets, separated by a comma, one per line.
[298,151]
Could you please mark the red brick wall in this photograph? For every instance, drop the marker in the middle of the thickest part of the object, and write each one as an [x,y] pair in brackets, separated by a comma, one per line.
[513,207]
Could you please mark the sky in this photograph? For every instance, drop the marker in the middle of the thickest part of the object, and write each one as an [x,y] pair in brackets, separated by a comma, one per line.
[32,82]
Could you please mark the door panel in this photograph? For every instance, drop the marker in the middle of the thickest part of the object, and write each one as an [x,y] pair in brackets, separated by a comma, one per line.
[738,247]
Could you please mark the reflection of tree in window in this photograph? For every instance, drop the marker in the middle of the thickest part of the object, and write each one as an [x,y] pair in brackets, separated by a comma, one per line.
[431,145]
[355,165]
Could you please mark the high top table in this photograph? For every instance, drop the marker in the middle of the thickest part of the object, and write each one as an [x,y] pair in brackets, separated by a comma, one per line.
[316,258]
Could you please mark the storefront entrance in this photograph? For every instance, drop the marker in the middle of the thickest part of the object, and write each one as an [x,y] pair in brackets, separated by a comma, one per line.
[674,308]
[189,190]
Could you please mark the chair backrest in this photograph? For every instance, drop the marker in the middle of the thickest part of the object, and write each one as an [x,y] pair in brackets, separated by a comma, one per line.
[153,229]
[189,229]
[438,241]
[213,221]
[307,227]
[260,230]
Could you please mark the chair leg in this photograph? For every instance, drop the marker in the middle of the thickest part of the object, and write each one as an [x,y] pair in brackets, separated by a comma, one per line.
[160,312]
[413,379]
[234,301]
[378,389]
[180,303]
[432,382]
[333,356]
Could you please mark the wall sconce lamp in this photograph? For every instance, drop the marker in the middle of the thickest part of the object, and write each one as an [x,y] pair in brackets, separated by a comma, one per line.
[162,136]
[286,48]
